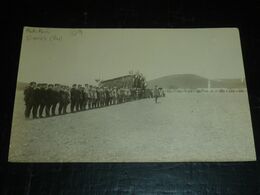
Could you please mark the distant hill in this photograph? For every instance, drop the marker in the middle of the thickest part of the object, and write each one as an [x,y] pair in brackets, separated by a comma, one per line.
[190,81]
[228,83]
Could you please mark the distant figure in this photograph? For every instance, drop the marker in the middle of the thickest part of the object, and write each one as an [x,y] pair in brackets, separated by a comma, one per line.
[156,93]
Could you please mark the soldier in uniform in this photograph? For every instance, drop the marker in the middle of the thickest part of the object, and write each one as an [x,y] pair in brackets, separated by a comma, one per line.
[67,99]
[90,97]
[85,96]
[37,100]
[101,97]
[95,97]
[49,99]
[56,98]
[110,96]
[114,96]
[73,97]
[78,97]
[107,96]
[29,99]
[42,98]
[82,99]
[62,100]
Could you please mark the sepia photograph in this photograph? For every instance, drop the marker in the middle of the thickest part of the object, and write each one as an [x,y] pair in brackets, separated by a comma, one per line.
[131,95]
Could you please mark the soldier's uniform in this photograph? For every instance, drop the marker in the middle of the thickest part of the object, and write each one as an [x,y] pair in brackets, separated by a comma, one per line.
[114,94]
[110,96]
[56,99]
[62,100]
[85,95]
[78,97]
[73,97]
[67,99]
[107,97]
[121,95]
[90,97]
[29,99]
[94,98]
[101,97]
[42,98]
[82,99]
[49,99]
[37,100]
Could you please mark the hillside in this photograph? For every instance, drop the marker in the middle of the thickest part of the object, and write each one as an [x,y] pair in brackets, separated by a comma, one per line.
[179,81]
[190,81]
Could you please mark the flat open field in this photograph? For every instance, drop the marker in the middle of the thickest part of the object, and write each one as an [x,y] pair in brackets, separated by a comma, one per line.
[181,127]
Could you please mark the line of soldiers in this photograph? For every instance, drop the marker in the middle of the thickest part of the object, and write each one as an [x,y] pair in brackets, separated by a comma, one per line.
[42,96]
[48,97]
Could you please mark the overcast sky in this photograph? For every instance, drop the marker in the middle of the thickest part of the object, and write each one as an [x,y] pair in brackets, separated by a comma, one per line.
[80,56]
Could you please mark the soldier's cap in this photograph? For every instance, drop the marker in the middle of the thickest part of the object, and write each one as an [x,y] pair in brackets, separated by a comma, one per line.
[31,83]
[50,85]
[74,85]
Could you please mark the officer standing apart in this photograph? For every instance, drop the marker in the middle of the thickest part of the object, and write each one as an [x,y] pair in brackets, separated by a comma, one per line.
[156,93]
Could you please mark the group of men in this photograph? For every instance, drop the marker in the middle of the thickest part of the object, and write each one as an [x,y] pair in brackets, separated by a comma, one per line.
[48,97]
[43,96]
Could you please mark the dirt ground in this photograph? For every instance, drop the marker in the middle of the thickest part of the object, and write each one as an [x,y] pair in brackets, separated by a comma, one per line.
[181,127]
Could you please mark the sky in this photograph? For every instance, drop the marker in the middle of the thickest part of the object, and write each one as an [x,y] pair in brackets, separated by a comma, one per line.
[80,56]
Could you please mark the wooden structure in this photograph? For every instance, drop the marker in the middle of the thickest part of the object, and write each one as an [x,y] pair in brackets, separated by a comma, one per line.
[127,81]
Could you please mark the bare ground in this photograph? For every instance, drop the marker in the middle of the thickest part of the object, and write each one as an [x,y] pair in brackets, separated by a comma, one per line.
[181,127]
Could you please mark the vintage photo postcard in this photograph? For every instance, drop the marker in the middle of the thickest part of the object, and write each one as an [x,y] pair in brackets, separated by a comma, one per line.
[131,95]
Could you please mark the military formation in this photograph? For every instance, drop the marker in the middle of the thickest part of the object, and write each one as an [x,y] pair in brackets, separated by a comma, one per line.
[46,100]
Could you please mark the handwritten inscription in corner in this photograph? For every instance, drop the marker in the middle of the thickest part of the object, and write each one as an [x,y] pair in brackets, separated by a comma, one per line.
[41,34]
[76,32]
[37,30]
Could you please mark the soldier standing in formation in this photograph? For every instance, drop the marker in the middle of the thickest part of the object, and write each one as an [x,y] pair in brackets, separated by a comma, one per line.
[29,99]
[73,97]
[85,95]
[50,99]
[37,99]
[64,99]
[42,98]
